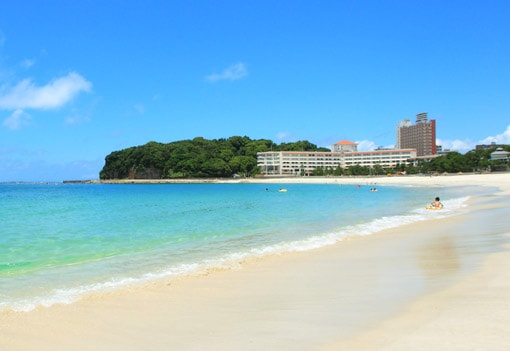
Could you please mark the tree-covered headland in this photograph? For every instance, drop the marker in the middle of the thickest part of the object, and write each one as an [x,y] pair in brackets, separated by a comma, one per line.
[222,158]
[196,158]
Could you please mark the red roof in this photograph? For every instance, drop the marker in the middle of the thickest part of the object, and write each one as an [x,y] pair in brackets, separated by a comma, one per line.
[345,142]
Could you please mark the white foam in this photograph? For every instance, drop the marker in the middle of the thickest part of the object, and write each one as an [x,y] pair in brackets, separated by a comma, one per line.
[71,295]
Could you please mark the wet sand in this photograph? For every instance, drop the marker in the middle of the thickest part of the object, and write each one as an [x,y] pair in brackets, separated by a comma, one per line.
[439,285]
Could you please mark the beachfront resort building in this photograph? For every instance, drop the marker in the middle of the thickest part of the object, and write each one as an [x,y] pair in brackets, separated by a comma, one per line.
[420,136]
[500,155]
[344,154]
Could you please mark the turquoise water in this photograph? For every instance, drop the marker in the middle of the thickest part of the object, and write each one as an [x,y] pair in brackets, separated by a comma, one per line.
[59,242]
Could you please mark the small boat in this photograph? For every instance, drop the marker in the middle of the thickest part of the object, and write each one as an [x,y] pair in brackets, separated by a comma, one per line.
[282,190]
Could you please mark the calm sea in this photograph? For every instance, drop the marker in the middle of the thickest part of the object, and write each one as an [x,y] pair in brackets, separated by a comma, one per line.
[59,242]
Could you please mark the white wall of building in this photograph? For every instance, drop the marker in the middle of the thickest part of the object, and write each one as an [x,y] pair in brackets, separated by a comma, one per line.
[304,162]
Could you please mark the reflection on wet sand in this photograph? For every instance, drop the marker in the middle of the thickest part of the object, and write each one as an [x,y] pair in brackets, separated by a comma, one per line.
[439,257]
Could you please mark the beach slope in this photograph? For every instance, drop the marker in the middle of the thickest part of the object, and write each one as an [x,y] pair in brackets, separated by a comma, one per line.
[441,285]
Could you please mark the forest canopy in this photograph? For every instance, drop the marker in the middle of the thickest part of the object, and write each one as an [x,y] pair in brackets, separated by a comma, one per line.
[196,158]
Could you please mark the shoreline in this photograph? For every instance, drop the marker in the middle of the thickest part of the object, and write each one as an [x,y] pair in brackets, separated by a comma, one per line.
[347,295]
[421,180]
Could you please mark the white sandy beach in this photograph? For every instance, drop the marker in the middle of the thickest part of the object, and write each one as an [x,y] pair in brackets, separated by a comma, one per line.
[343,297]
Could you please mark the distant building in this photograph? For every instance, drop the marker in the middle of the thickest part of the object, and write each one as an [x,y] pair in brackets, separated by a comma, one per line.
[441,152]
[405,123]
[500,155]
[297,162]
[420,136]
[344,145]
[344,155]
[490,146]
[387,158]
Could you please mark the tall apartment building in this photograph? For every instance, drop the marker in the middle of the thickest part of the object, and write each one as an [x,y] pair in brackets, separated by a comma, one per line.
[405,123]
[420,136]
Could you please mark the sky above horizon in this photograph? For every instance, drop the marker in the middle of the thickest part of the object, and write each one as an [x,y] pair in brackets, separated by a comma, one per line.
[79,80]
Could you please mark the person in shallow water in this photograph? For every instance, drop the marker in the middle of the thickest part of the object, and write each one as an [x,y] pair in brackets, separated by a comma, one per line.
[436,203]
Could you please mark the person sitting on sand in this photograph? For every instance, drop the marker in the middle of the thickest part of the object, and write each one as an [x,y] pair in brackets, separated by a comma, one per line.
[436,203]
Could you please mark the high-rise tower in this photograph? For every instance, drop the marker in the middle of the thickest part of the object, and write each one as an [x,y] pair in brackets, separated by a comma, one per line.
[405,123]
[420,136]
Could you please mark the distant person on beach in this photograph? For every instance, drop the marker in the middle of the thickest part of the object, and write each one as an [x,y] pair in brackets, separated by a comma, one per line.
[436,203]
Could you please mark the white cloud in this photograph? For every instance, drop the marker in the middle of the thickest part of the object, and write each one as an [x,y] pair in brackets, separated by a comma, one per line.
[27,63]
[232,73]
[76,119]
[284,136]
[17,120]
[52,95]
[366,145]
[461,146]
[503,138]
[466,145]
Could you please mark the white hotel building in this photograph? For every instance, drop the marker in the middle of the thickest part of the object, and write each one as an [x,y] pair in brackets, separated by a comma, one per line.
[343,154]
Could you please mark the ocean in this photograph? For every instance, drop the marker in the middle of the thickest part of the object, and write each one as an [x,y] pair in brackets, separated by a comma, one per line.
[60,242]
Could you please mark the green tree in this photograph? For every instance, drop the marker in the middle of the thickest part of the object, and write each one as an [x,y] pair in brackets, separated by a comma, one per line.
[243,165]
[215,167]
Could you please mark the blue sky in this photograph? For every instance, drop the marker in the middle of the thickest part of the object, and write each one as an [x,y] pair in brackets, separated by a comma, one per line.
[79,80]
